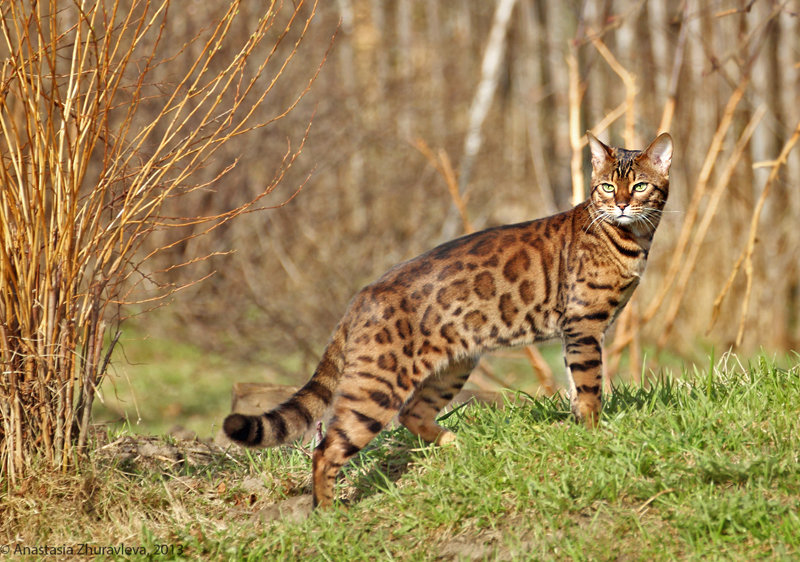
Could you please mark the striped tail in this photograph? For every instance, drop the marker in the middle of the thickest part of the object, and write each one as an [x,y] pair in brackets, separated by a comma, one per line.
[291,419]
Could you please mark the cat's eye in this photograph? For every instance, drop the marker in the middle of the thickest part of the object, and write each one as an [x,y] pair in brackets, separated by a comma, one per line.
[607,187]
[641,186]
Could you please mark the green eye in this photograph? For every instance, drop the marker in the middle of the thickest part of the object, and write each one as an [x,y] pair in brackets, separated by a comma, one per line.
[641,186]
[607,187]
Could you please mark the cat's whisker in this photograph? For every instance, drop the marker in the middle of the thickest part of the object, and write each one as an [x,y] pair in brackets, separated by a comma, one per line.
[647,220]
[602,216]
[662,211]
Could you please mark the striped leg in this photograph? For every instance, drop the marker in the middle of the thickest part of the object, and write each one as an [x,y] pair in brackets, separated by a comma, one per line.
[366,402]
[435,392]
[583,356]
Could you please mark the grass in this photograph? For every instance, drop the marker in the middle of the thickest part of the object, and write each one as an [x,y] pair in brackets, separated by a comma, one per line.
[156,385]
[700,466]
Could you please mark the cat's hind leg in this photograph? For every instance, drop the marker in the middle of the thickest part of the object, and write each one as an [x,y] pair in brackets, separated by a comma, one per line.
[433,394]
[365,403]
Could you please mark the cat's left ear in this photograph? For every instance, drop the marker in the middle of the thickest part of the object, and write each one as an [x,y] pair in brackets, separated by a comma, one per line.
[660,153]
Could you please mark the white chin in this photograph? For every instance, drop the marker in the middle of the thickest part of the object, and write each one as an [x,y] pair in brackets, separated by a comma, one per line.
[624,220]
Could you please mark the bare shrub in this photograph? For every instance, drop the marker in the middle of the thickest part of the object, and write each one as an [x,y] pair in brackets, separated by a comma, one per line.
[93,148]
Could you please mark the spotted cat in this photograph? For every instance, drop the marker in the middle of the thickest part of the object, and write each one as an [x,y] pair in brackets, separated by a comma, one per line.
[408,341]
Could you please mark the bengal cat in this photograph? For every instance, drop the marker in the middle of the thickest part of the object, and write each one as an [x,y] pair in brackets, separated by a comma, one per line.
[409,340]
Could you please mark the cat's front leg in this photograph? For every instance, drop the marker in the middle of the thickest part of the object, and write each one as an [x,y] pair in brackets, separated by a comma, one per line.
[583,356]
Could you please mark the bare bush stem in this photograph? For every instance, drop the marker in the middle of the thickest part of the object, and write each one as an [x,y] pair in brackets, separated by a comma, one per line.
[746,256]
[85,179]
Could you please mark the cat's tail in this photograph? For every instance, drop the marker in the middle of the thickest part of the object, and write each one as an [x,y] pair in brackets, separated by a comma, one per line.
[291,419]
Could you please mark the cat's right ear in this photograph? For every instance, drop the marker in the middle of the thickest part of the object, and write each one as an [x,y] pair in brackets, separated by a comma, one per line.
[600,152]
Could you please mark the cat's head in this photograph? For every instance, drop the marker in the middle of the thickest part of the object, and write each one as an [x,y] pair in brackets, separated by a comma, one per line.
[630,187]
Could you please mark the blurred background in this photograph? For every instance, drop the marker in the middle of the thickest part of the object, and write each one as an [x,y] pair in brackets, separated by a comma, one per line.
[498,95]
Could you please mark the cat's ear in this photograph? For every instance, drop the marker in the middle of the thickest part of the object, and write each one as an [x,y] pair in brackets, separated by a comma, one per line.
[660,153]
[600,152]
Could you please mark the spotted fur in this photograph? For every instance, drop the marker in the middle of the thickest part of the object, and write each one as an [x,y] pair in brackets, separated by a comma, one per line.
[408,341]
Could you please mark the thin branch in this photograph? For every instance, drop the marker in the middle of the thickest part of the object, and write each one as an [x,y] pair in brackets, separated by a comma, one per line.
[576,137]
[702,230]
[698,193]
[747,254]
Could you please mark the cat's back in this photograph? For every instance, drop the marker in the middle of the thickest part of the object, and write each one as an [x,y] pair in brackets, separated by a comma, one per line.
[495,247]
[511,263]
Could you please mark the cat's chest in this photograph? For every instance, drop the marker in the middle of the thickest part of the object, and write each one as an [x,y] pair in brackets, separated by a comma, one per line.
[615,256]
[599,279]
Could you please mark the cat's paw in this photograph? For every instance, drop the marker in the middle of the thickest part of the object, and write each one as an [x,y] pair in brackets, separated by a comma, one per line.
[587,415]
[446,437]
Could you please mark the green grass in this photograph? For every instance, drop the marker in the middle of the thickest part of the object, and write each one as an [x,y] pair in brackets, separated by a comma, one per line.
[701,466]
[155,385]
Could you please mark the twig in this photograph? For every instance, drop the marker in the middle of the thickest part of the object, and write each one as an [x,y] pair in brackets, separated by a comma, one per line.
[481,101]
[441,163]
[698,192]
[576,139]
[642,508]
[702,230]
[542,370]
[629,81]
[84,184]
[677,63]
[747,254]
[629,323]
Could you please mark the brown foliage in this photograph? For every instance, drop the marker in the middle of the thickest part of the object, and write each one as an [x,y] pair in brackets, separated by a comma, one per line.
[722,77]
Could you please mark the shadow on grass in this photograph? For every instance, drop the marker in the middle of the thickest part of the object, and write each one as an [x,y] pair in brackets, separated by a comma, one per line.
[657,393]
[382,463]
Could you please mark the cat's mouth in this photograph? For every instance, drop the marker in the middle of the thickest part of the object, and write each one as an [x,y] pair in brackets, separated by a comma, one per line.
[623,216]
[636,222]
[624,219]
